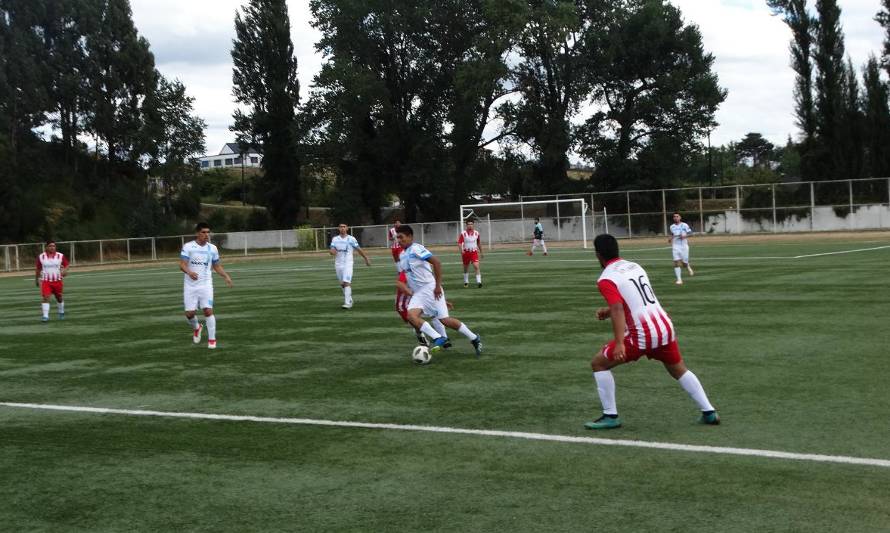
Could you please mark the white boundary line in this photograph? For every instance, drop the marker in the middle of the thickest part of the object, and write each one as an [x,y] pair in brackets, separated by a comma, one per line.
[842,252]
[771,454]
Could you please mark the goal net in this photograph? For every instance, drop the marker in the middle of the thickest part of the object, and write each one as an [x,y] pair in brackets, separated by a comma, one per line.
[565,220]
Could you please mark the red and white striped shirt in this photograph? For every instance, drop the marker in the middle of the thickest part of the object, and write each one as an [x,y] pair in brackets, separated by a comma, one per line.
[394,241]
[469,240]
[648,325]
[50,266]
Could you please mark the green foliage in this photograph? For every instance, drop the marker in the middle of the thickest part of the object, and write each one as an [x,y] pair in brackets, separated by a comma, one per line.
[265,79]
[876,121]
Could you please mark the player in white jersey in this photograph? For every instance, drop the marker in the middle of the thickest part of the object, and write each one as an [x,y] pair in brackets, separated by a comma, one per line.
[470,246]
[679,239]
[640,327]
[424,274]
[52,267]
[198,260]
[341,248]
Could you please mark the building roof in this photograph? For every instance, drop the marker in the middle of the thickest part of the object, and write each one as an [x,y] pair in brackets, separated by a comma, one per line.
[232,148]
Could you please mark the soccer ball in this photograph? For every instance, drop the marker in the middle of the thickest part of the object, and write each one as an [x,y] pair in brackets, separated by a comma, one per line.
[421,355]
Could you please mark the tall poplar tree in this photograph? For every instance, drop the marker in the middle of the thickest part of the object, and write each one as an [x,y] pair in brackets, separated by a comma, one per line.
[265,82]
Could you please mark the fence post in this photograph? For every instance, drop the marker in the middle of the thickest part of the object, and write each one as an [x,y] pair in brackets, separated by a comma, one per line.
[664,211]
[701,212]
[128,250]
[629,232]
[6,264]
[244,236]
[775,220]
[738,209]
[101,255]
[154,253]
[281,241]
[488,216]
[315,234]
[812,205]
[850,186]
[558,227]
[422,232]
[17,267]
[73,259]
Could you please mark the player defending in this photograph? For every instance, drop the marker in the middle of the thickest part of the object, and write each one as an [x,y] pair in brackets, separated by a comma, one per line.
[341,248]
[680,231]
[393,239]
[197,259]
[641,327]
[470,245]
[424,274]
[52,267]
[538,240]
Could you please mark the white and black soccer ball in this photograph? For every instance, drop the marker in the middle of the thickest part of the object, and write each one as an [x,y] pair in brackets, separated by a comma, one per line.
[421,355]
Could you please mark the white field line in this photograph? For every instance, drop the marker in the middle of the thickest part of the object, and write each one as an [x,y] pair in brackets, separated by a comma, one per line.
[771,454]
[842,252]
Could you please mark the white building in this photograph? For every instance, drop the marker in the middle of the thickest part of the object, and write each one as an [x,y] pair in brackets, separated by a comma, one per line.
[229,157]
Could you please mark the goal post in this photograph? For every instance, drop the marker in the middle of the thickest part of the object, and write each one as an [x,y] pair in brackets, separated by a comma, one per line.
[468,211]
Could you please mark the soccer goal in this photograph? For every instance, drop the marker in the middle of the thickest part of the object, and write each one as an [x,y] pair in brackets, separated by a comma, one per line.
[562,220]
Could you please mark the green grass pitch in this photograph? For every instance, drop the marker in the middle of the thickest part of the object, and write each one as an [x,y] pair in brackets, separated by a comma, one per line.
[793,352]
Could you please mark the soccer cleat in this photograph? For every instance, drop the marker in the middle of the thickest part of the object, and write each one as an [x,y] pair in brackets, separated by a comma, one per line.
[346,306]
[528,253]
[44,319]
[477,345]
[710,418]
[211,344]
[439,343]
[196,336]
[61,316]
[604,422]
[689,269]
[545,253]
[421,339]
[466,285]
[479,285]
[678,282]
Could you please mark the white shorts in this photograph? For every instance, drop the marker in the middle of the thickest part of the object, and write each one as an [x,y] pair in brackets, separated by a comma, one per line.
[426,301]
[344,273]
[681,253]
[197,298]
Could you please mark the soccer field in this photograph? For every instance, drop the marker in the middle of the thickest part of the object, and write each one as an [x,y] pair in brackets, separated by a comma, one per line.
[788,336]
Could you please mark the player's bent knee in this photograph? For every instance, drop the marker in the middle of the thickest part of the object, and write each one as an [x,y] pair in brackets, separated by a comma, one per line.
[208,312]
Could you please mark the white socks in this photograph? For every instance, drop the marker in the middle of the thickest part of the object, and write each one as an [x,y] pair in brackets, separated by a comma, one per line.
[347,295]
[693,387]
[465,331]
[679,272]
[45,309]
[193,322]
[478,278]
[211,327]
[605,386]
[466,277]
[439,327]
[428,330]
[61,307]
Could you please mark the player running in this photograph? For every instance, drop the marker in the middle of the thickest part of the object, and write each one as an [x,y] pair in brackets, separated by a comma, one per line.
[197,260]
[52,267]
[393,239]
[424,275]
[470,246]
[680,231]
[641,327]
[403,297]
[341,248]
[538,240]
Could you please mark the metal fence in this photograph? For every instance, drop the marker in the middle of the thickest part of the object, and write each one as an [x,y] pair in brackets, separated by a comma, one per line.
[732,209]
[743,209]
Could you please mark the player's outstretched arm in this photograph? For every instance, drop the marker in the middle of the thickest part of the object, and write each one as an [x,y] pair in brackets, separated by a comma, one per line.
[218,268]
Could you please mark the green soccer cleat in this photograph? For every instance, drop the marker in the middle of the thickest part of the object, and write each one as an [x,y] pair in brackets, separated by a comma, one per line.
[710,418]
[604,422]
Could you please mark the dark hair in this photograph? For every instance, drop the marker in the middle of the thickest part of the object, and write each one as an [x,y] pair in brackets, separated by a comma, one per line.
[201,226]
[50,241]
[406,229]
[606,245]
[677,213]
[537,219]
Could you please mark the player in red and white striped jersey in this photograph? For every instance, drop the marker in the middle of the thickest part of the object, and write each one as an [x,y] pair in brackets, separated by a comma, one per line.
[51,266]
[640,327]
[470,245]
[393,240]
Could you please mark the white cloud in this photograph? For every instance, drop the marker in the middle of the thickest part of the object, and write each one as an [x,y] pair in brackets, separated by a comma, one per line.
[192,39]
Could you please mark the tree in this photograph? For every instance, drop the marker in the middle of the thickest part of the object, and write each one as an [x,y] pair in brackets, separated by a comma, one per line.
[851,150]
[654,80]
[176,137]
[876,121]
[802,24]
[883,18]
[830,87]
[755,147]
[265,80]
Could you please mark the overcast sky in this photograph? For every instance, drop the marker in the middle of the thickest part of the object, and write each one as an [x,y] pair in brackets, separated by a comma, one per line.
[192,39]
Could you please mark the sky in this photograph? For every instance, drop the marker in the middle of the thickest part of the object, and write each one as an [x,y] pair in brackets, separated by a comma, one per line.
[192,40]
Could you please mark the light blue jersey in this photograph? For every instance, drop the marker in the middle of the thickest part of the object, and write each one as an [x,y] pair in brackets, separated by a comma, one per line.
[200,261]
[680,230]
[344,247]
[414,261]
